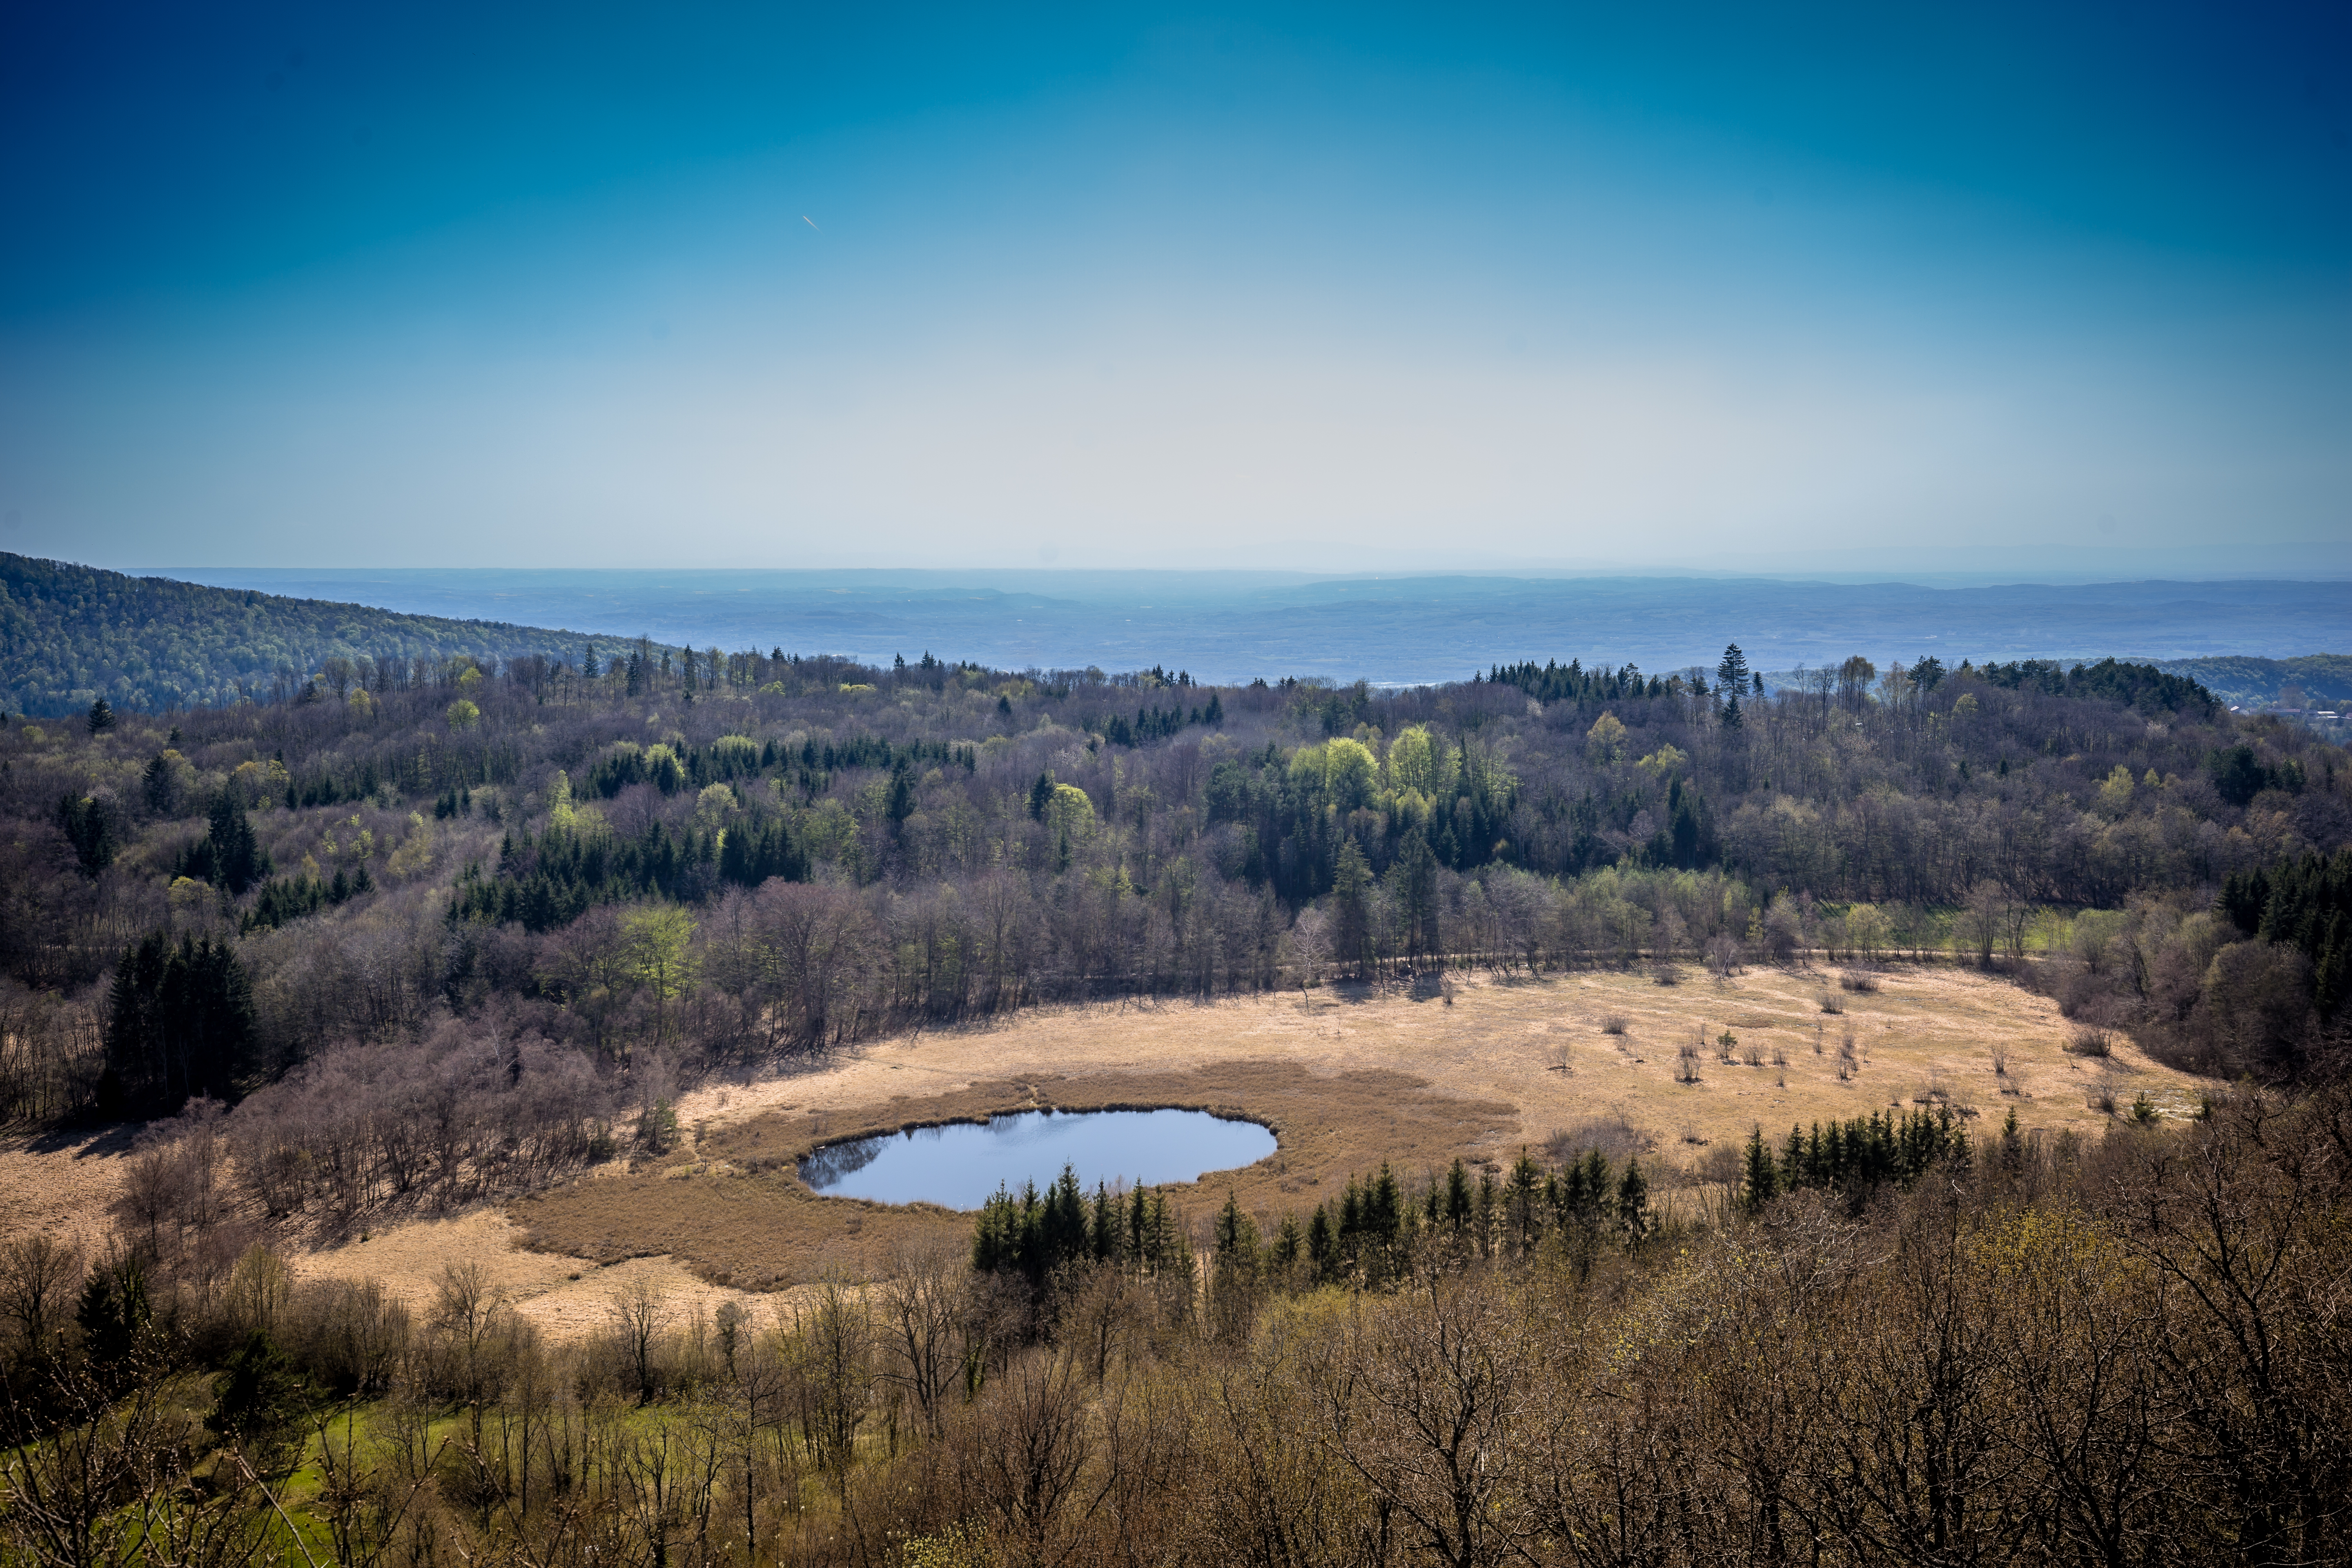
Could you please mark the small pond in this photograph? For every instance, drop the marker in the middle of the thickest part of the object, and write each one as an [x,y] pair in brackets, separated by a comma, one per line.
[960,1166]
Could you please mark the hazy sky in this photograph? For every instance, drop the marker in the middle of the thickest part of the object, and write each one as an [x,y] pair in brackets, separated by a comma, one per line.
[1636,284]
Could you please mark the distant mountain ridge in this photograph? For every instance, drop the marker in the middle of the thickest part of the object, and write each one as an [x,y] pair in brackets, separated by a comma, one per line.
[70,634]
[1233,625]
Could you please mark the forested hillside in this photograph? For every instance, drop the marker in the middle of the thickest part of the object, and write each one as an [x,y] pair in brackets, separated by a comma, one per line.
[679,857]
[2323,679]
[71,634]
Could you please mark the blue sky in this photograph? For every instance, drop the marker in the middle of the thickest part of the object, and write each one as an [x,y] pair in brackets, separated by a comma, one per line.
[2017,288]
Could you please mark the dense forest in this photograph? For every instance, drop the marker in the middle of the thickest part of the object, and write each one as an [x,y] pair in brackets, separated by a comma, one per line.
[658,859]
[423,929]
[2320,680]
[70,636]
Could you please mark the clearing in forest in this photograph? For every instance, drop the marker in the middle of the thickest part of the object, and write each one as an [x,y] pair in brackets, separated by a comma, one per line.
[1347,1076]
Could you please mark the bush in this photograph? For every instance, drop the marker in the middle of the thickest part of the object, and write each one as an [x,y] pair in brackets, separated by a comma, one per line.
[2090,1041]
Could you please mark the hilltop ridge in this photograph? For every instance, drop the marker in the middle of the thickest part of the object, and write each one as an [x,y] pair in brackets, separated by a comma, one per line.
[70,635]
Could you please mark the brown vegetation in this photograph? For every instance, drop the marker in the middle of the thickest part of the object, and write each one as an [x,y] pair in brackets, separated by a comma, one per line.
[741,1214]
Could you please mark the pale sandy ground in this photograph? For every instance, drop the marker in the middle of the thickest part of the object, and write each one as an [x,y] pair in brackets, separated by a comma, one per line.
[567,1298]
[1498,1041]
[1925,1028]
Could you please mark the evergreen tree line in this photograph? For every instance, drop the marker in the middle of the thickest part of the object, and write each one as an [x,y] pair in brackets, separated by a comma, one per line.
[180,1025]
[2304,904]
[1858,1156]
[546,881]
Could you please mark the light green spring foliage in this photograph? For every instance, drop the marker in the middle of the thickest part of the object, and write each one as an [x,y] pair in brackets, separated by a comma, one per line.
[1419,776]
[1343,770]
[1666,760]
[1421,763]
[2115,794]
[660,956]
[1070,811]
[713,806]
[1605,741]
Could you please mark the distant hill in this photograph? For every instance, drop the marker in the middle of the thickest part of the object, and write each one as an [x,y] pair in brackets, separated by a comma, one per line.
[1233,625]
[2325,678]
[71,634]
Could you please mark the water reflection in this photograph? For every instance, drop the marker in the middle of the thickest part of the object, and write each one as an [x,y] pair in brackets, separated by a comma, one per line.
[959,1166]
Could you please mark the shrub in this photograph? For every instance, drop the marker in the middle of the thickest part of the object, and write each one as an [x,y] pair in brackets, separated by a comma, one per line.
[2090,1041]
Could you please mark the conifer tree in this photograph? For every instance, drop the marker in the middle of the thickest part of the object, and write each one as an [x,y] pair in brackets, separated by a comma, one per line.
[1350,885]
[1634,1203]
[89,827]
[1761,1179]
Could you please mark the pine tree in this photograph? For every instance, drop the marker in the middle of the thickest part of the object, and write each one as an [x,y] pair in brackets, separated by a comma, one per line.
[89,826]
[1104,1233]
[115,1318]
[1457,1197]
[159,784]
[261,1400]
[1731,671]
[179,1022]
[1634,1203]
[1414,880]
[227,855]
[1761,1178]
[1350,883]
[1237,1243]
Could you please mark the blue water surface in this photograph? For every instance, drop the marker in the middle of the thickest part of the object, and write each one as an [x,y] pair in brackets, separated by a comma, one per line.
[960,1166]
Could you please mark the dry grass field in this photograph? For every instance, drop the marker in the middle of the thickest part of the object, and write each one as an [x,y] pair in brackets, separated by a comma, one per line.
[566,1298]
[1345,1077]
[63,1187]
